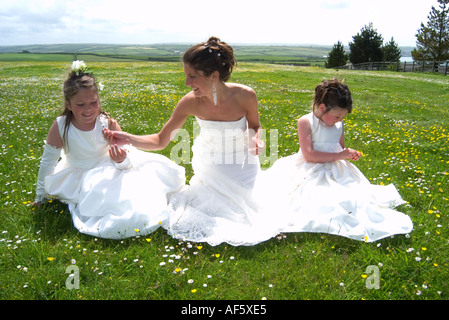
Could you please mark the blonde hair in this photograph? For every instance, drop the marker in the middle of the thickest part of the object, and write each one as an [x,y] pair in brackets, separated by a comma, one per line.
[72,85]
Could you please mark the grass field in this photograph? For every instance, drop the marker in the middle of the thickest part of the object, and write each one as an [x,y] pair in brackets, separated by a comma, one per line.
[400,122]
[296,55]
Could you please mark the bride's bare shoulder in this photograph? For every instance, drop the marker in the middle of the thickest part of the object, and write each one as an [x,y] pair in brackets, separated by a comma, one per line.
[242,90]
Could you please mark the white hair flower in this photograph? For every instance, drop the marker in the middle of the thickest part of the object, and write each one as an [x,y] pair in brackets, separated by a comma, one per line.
[78,66]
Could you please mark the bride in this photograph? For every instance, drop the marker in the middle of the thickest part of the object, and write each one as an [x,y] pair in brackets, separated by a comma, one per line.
[218,206]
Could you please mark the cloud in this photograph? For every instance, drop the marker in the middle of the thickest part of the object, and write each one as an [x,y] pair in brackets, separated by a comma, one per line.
[22,21]
[334,4]
[235,21]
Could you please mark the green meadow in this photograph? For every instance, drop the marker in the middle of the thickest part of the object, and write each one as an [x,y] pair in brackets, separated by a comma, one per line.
[311,55]
[400,122]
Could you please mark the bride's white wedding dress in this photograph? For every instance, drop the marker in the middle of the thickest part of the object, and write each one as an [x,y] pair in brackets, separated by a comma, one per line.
[219,205]
[334,197]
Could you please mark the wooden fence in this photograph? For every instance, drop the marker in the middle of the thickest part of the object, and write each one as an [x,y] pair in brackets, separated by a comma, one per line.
[411,66]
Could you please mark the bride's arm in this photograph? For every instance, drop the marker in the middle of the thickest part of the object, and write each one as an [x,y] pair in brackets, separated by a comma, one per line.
[253,118]
[155,141]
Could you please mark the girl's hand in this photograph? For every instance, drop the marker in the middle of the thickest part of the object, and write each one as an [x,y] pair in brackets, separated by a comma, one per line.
[352,154]
[116,137]
[117,154]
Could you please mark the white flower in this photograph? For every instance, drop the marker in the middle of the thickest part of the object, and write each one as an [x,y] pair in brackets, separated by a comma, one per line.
[78,66]
[190,281]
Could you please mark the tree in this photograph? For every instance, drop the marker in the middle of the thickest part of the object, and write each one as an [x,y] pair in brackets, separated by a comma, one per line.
[337,56]
[366,46]
[432,39]
[391,51]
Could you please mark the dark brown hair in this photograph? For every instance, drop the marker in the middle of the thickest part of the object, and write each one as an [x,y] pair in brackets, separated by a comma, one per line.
[213,55]
[333,94]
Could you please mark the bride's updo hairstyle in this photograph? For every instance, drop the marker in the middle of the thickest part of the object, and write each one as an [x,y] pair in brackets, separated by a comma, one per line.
[213,55]
[333,94]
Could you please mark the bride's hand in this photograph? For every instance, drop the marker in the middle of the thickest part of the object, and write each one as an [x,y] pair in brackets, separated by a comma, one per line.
[116,137]
[256,146]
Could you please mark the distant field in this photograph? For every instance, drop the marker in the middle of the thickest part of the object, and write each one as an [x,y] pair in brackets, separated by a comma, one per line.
[60,57]
[300,55]
[309,56]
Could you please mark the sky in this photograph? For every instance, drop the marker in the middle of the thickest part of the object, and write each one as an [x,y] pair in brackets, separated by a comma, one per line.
[319,22]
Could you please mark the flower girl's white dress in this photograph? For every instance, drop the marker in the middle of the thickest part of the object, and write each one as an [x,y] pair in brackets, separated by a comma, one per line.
[334,198]
[218,205]
[108,200]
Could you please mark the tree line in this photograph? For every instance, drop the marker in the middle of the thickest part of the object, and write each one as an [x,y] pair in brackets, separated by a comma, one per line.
[432,43]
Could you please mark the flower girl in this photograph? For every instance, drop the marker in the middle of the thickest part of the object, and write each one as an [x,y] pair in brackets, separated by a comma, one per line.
[319,190]
[111,192]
